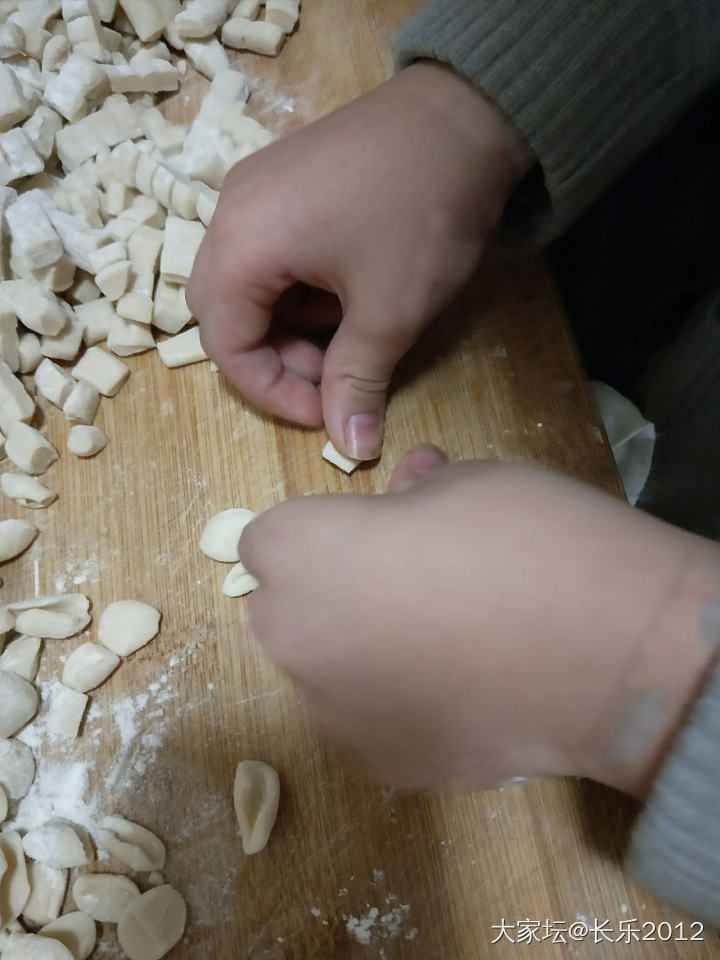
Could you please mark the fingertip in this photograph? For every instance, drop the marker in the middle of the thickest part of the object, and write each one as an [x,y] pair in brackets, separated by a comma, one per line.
[414,465]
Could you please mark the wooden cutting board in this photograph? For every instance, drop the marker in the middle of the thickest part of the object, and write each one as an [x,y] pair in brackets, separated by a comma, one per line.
[352,870]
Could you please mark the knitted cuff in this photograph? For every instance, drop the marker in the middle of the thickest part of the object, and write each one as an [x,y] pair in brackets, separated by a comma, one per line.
[675,848]
[588,85]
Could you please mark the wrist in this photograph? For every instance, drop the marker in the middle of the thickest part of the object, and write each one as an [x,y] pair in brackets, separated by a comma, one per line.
[494,137]
[670,662]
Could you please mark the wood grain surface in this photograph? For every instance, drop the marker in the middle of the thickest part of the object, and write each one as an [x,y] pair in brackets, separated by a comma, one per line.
[351,870]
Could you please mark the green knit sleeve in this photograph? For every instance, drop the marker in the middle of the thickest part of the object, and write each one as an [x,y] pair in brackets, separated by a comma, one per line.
[589,84]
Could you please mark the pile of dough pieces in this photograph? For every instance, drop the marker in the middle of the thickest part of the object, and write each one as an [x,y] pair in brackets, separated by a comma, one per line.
[34,878]
[34,868]
[104,203]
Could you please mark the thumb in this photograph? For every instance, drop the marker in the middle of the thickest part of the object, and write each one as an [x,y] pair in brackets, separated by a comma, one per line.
[358,367]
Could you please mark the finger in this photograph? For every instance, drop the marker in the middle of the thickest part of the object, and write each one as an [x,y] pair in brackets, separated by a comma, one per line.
[298,355]
[235,315]
[414,465]
[359,364]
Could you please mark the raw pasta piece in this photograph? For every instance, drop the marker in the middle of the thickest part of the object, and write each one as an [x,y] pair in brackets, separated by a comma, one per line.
[135,846]
[88,666]
[260,36]
[104,896]
[105,372]
[28,491]
[52,617]
[256,795]
[221,535]
[21,656]
[239,582]
[155,879]
[59,844]
[282,12]
[47,892]
[30,946]
[82,403]
[127,625]
[182,349]
[86,441]
[14,885]
[18,703]
[53,382]
[152,924]
[15,536]
[17,768]
[338,459]
[28,449]
[75,930]
[67,708]
[3,804]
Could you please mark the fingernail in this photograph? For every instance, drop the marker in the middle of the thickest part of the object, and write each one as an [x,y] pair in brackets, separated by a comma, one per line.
[363,435]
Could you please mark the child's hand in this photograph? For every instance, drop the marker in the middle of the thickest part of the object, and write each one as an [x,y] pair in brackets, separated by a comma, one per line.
[486,621]
[379,212]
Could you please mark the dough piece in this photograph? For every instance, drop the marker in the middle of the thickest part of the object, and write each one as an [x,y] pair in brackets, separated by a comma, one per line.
[105,372]
[3,804]
[338,459]
[152,924]
[127,625]
[155,879]
[14,885]
[88,666]
[17,768]
[182,349]
[28,491]
[182,241]
[256,35]
[59,844]
[66,711]
[82,403]
[21,656]
[221,535]
[47,892]
[104,896]
[52,617]
[30,946]
[30,352]
[53,383]
[28,449]
[256,795]
[75,930]
[135,846]
[85,441]
[239,582]
[18,704]
[284,13]
[15,536]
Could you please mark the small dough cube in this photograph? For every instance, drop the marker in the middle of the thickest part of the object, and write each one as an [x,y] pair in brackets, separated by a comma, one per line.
[259,36]
[28,449]
[105,372]
[86,441]
[66,712]
[182,349]
[182,242]
[53,383]
[332,455]
[282,12]
[15,536]
[82,403]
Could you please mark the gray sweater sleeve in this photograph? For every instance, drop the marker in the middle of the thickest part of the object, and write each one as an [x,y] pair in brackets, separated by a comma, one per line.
[675,849]
[588,83]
